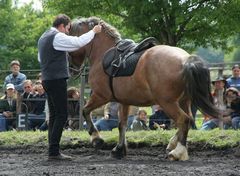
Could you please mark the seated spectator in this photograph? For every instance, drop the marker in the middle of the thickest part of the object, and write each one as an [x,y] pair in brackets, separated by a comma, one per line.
[16,78]
[140,121]
[27,95]
[133,112]
[73,108]
[37,116]
[233,103]
[110,119]
[8,109]
[234,80]
[159,120]
[219,101]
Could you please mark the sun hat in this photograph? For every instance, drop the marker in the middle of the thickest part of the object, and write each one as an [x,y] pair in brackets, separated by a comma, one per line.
[10,86]
[219,78]
[15,62]
[233,89]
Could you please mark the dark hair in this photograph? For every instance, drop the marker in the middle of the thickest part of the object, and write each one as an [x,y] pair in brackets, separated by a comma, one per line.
[71,91]
[235,104]
[61,19]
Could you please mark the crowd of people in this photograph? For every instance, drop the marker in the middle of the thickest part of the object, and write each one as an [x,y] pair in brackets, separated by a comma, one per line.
[32,98]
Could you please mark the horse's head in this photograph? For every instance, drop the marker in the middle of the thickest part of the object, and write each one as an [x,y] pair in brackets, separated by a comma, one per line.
[83,25]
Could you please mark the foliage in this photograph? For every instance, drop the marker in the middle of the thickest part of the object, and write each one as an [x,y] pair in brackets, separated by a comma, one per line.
[187,24]
[19,34]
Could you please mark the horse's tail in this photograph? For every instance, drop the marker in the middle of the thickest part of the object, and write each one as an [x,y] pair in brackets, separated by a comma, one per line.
[196,76]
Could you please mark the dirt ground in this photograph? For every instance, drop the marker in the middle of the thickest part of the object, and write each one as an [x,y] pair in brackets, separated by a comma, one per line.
[32,160]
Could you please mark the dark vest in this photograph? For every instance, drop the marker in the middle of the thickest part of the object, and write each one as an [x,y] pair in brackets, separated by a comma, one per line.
[54,63]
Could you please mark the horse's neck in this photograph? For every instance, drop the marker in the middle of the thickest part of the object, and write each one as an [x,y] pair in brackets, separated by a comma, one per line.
[101,45]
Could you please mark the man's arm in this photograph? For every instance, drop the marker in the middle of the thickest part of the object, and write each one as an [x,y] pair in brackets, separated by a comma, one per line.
[63,42]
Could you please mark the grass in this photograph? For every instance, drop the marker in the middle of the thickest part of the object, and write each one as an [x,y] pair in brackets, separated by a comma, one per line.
[215,138]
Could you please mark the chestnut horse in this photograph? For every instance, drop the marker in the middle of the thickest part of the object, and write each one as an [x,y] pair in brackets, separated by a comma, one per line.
[164,75]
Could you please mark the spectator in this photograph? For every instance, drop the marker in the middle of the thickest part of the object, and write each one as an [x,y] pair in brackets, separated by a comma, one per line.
[233,102]
[140,121]
[8,108]
[133,112]
[234,80]
[16,78]
[110,119]
[159,119]
[37,116]
[220,102]
[73,108]
[27,95]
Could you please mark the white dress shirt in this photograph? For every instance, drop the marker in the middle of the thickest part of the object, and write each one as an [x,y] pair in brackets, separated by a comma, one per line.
[63,42]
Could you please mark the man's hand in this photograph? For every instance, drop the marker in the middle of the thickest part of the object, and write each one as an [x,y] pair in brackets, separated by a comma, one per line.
[106,117]
[97,29]
[8,114]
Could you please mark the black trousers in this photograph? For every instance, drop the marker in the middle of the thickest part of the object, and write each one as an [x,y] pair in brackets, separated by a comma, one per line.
[57,101]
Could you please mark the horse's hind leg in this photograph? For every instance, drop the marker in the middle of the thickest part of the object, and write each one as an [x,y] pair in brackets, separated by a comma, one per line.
[177,143]
[121,148]
[186,106]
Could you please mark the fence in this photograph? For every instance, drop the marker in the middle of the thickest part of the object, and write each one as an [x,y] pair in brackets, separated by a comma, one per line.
[216,69]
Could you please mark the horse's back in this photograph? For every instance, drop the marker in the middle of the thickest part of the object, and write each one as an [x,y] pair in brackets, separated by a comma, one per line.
[164,53]
[164,60]
[158,74]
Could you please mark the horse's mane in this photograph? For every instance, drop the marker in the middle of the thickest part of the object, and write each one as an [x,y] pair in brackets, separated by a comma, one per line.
[91,22]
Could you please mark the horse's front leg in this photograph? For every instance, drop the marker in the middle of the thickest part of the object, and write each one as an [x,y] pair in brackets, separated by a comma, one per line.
[92,104]
[121,148]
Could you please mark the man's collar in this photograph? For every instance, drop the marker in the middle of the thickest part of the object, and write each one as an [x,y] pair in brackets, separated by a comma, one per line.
[54,29]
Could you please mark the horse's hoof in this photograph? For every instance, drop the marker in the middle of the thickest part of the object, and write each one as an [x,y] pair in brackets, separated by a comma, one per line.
[118,152]
[171,157]
[97,143]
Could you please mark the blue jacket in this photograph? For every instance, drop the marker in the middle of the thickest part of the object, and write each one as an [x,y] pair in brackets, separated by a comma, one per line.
[16,81]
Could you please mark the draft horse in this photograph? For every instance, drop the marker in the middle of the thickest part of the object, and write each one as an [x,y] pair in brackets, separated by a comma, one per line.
[164,75]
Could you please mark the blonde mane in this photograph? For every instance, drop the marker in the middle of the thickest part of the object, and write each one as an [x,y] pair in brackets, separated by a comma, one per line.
[91,22]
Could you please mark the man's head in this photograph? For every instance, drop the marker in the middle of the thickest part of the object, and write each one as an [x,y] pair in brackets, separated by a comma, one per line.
[219,83]
[236,71]
[15,67]
[62,23]
[27,86]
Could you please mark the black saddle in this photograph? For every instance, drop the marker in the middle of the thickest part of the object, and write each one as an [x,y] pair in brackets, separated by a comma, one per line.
[122,59]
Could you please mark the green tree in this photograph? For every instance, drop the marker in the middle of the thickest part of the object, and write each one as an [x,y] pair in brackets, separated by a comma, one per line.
[187,23]
[19,34]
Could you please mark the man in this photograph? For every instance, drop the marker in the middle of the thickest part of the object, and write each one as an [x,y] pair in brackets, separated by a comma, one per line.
[110,119]
[8,108]
[52,46]
[234,80]
[27,95]
[16,78]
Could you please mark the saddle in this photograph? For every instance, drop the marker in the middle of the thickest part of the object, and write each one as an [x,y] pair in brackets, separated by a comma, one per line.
[122,59]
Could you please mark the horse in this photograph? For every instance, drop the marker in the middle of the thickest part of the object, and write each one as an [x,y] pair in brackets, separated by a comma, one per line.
[164,75]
